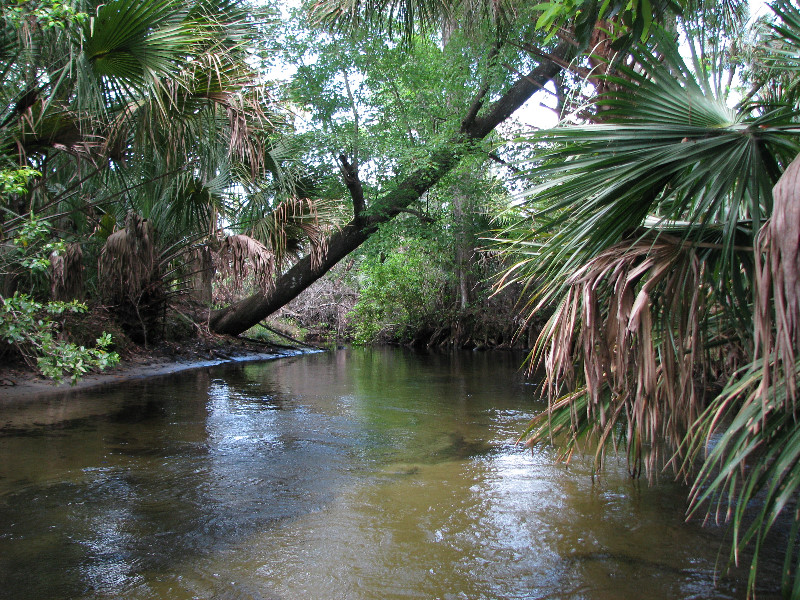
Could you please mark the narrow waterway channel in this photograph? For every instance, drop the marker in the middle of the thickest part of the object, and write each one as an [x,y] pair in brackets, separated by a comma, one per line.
[360,474]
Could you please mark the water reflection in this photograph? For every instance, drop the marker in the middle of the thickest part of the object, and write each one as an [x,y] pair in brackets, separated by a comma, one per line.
[361,474]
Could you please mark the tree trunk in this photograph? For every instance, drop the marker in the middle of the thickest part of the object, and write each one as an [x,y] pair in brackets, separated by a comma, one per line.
[201,274]
[242,315]
[464,239]
[461,207]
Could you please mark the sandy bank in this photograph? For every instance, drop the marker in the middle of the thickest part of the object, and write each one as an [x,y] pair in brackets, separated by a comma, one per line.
[19,385]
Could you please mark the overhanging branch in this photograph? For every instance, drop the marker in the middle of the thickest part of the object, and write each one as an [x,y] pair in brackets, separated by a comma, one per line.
[241,316]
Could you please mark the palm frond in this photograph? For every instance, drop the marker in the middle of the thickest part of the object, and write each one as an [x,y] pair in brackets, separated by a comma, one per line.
[668,148]
[777,314]
[754,461]
[405,15]
[633,317]
[66,273]
[292,226]
[241,256]
[128,260]
[784,43]
[640,333]
[135,43]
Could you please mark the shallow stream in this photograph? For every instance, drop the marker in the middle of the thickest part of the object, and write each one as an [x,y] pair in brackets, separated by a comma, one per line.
[360,474]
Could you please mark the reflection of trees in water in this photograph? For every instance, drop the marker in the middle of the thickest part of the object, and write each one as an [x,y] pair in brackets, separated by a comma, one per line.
[351,475]
[167,475]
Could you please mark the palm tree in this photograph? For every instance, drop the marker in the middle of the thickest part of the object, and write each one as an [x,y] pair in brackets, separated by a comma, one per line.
[141,110]
[657,240]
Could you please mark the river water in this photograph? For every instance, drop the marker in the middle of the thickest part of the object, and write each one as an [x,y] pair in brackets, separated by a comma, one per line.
[359,474]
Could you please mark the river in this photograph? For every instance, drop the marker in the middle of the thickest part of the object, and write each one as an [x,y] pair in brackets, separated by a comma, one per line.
[357,474]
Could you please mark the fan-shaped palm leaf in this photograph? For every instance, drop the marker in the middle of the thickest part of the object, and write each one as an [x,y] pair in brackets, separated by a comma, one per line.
[671,163]
[136,43]
[668,148]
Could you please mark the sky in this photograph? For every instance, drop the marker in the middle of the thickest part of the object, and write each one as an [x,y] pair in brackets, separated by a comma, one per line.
[538,113]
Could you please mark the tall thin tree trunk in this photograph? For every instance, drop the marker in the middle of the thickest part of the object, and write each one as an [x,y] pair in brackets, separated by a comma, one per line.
[463,228]
[462,213]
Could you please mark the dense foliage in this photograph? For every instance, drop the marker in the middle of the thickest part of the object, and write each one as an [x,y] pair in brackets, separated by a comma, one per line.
[146,160]
[31,327]
[146,129]
[663,236]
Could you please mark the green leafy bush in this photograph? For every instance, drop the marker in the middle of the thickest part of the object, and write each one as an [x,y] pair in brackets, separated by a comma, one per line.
[33,329]
[401,293]
[30,326]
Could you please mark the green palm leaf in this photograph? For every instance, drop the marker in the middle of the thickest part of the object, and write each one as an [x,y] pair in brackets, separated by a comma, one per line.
[137,42]
[764,436]
[667,148]
[671,163]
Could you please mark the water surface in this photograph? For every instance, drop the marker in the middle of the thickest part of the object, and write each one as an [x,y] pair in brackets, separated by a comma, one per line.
[363,474]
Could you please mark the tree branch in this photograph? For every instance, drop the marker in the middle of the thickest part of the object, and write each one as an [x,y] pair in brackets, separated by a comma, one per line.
[564,64]
[355,119]
[419,214]
[241,316]
[496,158]
[353,183]
[521,91]
[480,97]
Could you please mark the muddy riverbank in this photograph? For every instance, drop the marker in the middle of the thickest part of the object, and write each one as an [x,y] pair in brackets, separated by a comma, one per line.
[19,383]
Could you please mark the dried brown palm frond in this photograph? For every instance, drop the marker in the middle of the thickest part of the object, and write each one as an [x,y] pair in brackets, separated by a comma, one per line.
[303,214]
[631,323]
[246,118]
[128,260]
[54,126]
[778,278]
[66,273]
[116,144]
[241,256]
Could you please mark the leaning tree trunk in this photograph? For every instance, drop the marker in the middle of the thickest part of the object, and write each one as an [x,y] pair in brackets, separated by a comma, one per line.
[242,315]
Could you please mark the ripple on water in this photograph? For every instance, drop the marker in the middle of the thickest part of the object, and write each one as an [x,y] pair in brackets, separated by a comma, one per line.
[360,475]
